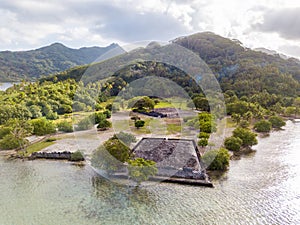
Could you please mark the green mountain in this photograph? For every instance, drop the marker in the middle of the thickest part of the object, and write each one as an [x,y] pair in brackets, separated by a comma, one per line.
[33,64]
[245,71]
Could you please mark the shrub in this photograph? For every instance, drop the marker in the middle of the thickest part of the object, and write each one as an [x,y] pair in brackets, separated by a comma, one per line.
[263,126]
[77,156]
[42,126]
[104,124]
[109,107]
[244,124]
[276,121]
[107,113]
[85,124]
[216,159]
[203,142]
[51,139]
[65,126]
[78,106]
[52,115]
[4,131]
[233,143]
[140,169]
[203,135]
[11,142]
[248,137]
[139,123]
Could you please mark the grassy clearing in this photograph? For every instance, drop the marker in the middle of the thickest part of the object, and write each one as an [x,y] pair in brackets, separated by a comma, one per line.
[36,147]
[177,103]
[173,128]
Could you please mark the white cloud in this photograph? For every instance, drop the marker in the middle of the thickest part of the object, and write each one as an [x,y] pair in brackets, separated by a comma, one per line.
[33,23]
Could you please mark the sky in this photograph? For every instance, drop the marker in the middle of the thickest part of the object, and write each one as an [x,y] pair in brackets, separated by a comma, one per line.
[30,24]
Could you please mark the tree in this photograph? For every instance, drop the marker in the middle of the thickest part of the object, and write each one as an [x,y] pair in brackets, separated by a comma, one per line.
[248,137]
[104,124]
[11,142]
[110,156]
[140,169]
[233,143]
[42,126]
[117,149]
[139,123]
[201,103]
[35,111]
[51,115]
[216,159]
[65,126]
[14,133]
[144,103]
[85,124]
[203,135]
[276,121]
[203,142]
[263,126]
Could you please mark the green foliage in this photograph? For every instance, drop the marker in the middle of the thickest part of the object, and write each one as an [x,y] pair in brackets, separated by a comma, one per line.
[52,116]
[51,139]
[203,142]
[139,123]
[201,103]
[216,159]
[203,135]
[126,138]
[77,156]
[107,113]
[263,126]
[85,124]
[4,131]
[11,142]
[65,126]
[108,107]
[140,169]
[104,124]
[207,123]
[276,121]
[42,126]
[248,137]
[13,134]
[79,106]
[102,159]
[117,149]
[111,155]
[144,103]
[244,124]
[233,143]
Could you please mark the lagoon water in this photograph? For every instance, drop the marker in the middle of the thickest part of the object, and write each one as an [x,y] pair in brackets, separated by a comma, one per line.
[6,85]
[262,188]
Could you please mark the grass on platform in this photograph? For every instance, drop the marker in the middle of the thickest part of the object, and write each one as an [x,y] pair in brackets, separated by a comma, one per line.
[36,147]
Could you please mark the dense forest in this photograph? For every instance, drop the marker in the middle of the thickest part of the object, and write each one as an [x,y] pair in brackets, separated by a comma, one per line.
[29,65]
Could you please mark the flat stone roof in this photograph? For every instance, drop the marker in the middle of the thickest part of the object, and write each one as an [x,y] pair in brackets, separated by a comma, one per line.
[169,154]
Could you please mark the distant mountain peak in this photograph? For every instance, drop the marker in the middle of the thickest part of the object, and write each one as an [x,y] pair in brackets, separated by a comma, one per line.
[51,59]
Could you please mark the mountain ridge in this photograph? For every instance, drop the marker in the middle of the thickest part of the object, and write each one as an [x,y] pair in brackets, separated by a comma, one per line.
[46,60]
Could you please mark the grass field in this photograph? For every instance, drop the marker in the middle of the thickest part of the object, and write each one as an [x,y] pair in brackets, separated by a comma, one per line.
[37,147]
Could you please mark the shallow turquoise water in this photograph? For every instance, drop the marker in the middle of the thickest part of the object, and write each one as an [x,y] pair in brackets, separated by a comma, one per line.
[263,188]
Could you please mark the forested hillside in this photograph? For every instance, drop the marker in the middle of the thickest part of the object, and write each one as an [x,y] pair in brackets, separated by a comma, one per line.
[29,65]
[243,70]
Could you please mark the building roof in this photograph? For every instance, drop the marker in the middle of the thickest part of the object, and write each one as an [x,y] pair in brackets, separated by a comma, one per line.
[173,154]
